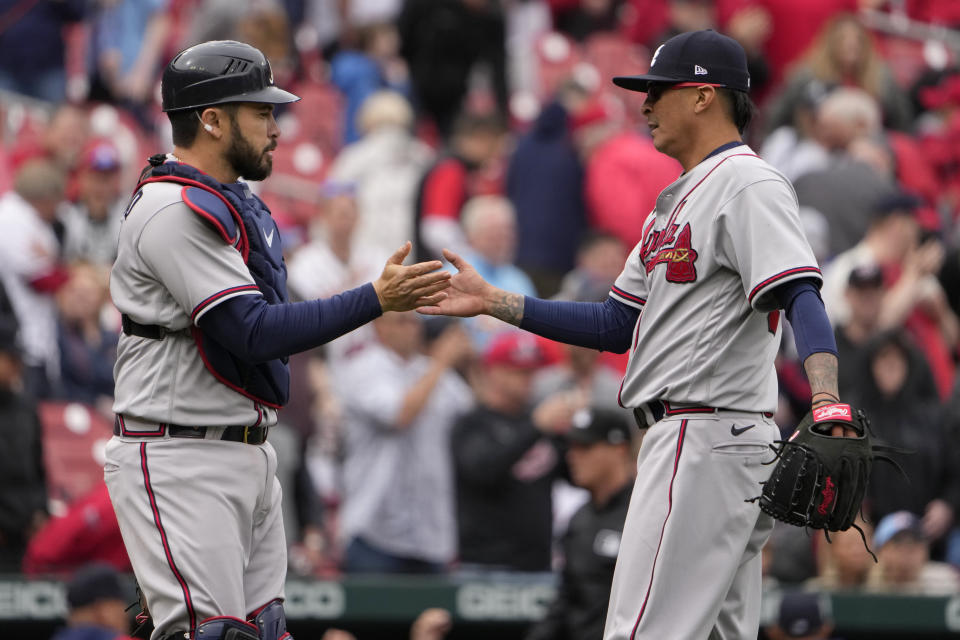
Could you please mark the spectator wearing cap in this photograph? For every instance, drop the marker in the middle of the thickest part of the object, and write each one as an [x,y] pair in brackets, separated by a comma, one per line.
[893,233]
[97,598]
[601,460]
[904,565]
[894,390]
[914,298]
[91,221]
[864,298]
[399,408]
[31,267]
[506,459]
[802,615]
[385,165]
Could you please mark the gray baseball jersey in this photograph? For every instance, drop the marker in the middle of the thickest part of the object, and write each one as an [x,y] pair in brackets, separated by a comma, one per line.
[173,496]
[172,268]
[720,239]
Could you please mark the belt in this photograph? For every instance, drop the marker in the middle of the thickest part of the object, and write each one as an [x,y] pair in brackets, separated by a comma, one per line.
[246,435]
[152,331]
[648,414]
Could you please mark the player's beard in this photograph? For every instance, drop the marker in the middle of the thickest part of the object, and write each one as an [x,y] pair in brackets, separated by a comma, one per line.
[247,161]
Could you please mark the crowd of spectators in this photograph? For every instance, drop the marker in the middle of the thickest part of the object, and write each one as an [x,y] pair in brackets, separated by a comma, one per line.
[489,127]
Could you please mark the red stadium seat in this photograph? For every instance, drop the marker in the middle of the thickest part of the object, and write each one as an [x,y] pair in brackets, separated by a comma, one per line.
[74,436]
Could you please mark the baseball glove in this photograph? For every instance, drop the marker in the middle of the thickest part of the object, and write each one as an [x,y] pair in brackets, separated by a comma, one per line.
[820,480]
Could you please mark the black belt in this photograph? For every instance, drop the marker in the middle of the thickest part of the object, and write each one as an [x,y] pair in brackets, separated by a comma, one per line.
[660,409]
[247,435]
[152,331]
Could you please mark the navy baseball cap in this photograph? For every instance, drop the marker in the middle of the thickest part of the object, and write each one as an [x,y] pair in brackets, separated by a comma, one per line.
[94,583]
[802,613]
[703,57]
[592,425]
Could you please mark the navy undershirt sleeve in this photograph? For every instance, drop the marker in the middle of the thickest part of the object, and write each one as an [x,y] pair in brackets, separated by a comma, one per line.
[607,326]
[255,331]
[804,309]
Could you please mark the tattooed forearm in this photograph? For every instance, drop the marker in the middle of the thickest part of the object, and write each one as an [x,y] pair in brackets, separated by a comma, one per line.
[507,306]
[821,371]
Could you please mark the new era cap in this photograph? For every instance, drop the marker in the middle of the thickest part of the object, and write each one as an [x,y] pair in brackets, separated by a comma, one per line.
[593,424]
[705,57]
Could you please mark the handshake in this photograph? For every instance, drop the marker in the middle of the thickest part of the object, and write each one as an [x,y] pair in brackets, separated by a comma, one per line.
[429,289]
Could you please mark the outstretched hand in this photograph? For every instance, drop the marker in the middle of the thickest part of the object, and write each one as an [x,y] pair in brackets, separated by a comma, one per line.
[467,293]
[402,288]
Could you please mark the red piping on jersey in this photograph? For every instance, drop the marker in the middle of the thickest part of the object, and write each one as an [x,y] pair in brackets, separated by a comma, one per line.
[629,296]
[197,337]
[779,276]
[163,537]
[161,429]
[219,294]
[244,247]
[676,465]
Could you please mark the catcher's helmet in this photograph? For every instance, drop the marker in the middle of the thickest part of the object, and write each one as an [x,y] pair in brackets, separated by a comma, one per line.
[217,72]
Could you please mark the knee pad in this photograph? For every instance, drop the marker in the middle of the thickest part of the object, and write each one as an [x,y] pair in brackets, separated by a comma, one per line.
[271,621]
[226,628]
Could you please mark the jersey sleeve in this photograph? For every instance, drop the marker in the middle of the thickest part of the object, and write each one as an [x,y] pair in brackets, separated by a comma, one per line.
[630,287]
[192,261]
[762,239]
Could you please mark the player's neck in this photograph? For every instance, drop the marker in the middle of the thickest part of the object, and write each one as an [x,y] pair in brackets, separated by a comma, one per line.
[210,161]
[711,136]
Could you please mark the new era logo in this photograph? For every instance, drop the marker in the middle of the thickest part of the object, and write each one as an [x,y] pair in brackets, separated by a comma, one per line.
[699,71]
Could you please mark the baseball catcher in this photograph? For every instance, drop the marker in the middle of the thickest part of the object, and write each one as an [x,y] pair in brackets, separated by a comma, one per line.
[820,480]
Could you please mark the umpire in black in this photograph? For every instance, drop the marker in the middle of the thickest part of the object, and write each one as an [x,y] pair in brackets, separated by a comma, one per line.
[601,460]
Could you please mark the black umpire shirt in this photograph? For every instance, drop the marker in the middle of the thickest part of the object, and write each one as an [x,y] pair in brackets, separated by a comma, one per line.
[590,548]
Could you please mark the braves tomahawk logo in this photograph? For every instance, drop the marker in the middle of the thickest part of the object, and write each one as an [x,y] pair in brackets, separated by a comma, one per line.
[674,249]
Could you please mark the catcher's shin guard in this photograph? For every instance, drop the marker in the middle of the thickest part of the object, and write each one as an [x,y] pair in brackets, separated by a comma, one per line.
[225,628]
[271,621]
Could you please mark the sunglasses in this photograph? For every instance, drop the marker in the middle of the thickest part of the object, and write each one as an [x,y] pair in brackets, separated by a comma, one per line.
[655,90]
